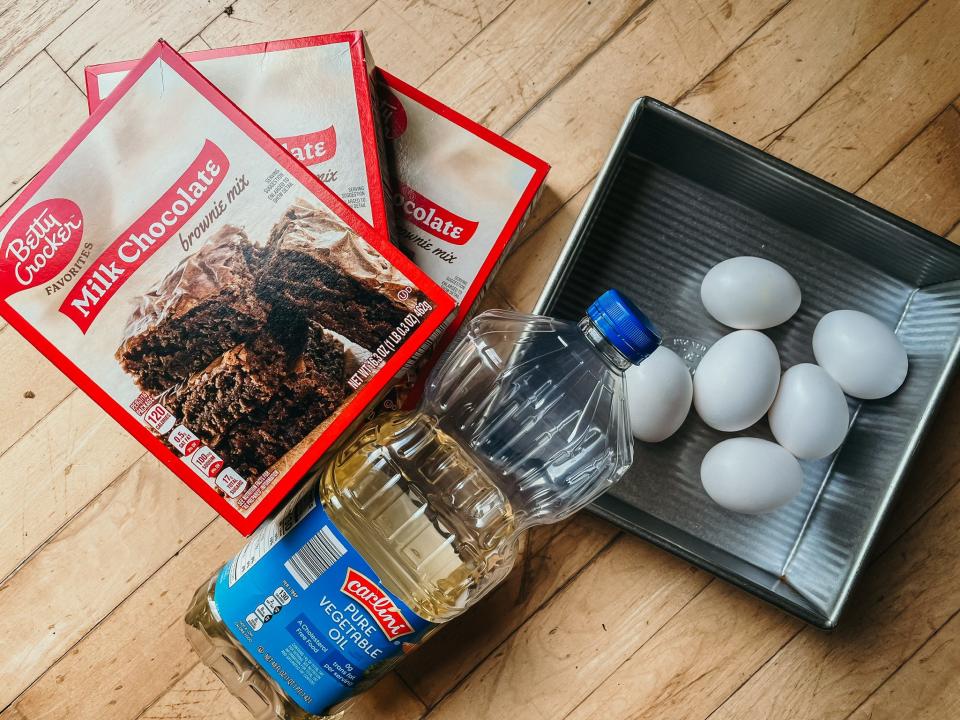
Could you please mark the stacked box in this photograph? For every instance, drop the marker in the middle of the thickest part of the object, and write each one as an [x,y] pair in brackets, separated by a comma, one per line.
[200,284]
[459,191]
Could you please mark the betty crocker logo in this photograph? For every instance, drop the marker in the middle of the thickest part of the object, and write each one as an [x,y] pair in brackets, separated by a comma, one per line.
[39,244]
[432,217]
[376,601]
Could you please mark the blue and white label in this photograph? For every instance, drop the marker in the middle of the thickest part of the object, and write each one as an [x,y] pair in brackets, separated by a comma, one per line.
[310,610]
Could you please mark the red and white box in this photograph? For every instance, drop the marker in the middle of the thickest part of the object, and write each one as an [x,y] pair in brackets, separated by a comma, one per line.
[332,129]
[460,192]
[191,276]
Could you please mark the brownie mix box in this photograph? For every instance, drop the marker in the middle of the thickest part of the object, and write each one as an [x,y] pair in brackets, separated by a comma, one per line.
[202,286]
[333,129]
[459,191]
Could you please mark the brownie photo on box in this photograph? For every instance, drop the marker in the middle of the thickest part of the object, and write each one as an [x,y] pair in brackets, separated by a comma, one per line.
[250,346]
[313,265]
[204,307]
[261,398]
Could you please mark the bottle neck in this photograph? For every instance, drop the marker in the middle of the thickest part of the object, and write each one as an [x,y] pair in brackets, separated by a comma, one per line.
[607,351]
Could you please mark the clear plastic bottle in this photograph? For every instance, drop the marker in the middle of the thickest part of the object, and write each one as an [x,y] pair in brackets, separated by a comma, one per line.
[523,422]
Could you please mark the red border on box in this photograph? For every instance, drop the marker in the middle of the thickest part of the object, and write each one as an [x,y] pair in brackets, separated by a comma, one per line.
[512,226]
[443,303]
[361,81]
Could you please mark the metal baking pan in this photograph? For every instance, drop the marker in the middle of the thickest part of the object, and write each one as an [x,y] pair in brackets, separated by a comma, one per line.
[674,198]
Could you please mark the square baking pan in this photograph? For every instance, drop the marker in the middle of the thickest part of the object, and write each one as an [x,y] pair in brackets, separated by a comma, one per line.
[674,198]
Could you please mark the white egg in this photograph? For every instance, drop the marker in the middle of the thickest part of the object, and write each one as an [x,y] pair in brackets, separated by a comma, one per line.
[750,293]
[659,391]
[736,380]
[861,353]
[809,416]
[749,475]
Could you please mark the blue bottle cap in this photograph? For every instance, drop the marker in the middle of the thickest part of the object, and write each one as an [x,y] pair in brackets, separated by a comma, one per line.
[624,326]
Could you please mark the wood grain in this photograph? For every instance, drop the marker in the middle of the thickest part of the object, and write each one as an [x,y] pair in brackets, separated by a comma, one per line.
[81,575]
[42,107]
[123,30]
[788,64]
[923,688]
[519,57]
[550,664]
[201,696]
[922,183]
[413,40]
[662,52]
[696,660]
[252,21]
[76,458]
[30,388]
[29,26]
[554,557]
[883,103]
[134,654]
[906,596]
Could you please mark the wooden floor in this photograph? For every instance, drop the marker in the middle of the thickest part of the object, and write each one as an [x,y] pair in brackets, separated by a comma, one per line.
[102,548]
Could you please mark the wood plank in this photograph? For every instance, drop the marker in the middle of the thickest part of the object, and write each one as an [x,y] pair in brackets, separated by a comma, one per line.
[198,696]
[201,696]
[662,52]
[790,62]
[548,666]
[42,107]
[693,663]
[954,235]
[29,25]
[412,40]
[251,21]
[925,687]
[907,594]
[521,56]
[922,183]
[553,558]
[522,277]
[76,461]
[80,576]
[884,102]
[139,649]
[29,389]
[126,29]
